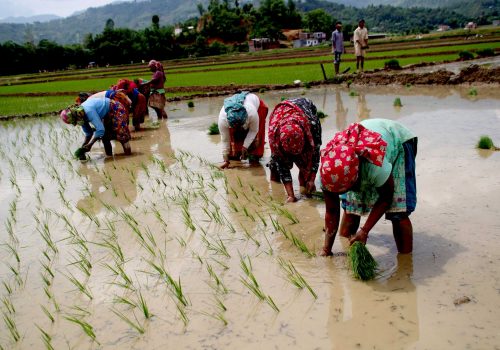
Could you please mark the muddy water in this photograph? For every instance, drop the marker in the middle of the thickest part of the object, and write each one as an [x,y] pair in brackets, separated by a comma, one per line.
[86,242]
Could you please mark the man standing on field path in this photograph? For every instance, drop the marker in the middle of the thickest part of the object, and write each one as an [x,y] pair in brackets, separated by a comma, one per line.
[360,44]
[337,46]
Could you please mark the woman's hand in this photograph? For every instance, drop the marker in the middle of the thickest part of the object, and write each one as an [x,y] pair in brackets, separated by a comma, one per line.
[310,187]
[244,153]
[361,236]
[225,165]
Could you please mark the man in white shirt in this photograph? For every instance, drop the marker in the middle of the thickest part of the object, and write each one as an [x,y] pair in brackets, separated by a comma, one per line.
[242,134]
[360,44]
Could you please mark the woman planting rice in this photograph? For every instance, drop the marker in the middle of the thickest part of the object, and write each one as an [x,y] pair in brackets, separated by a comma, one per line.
[295,137]
[372,166]
[108,117]
[242,125]
[138,107]
[157,98]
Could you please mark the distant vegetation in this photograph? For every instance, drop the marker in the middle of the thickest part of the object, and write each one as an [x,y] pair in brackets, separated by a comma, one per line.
[220,27]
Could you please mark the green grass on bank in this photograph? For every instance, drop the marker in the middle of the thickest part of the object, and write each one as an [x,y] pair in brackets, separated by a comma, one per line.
[32,105]
[264,75]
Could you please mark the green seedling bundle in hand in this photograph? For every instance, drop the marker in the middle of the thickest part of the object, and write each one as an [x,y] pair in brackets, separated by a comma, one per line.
[80,153]
[362,263]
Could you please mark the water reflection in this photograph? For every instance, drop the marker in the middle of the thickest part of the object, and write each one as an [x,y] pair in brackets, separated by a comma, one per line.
[379,315]
[363,110]
[113,180]
[340,112]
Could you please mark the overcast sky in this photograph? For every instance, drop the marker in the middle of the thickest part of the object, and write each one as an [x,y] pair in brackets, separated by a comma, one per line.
[61,8]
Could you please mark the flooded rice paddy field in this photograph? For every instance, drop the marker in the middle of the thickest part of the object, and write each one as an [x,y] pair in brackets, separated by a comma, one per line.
[163,250]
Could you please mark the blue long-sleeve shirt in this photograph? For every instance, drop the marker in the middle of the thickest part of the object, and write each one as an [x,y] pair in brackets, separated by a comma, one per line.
[95,111]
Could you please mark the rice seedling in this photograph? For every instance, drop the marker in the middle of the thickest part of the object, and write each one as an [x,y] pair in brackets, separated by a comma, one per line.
[190,104]
[188,220]
[47,237]
[125,301]
[473,92]
[283,211]
[144,306]
[353,93]
[90,216]
[46,338]
[485,142]
[48,314]
[80,286]
[250,237]
[82,263]
[215,245]
[86,327]
[118,270]
[397,102]
[7,303]
[182,314]
[252,284]
[10,323]
[218,282]
[264,222]
[247,214]
[301,245]
[16,271]
[295,277]
[13,250]
[362,263]
[132,323]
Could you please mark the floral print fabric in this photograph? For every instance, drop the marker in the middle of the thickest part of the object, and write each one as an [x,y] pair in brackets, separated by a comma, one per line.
[295,113]
[339,159]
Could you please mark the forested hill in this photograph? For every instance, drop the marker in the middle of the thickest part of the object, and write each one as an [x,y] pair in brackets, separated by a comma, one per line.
[465,7]
[132,15]
[389,19]
[138,14]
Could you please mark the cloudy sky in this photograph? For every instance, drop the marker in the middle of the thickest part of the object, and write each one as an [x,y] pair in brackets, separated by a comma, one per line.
[61,8]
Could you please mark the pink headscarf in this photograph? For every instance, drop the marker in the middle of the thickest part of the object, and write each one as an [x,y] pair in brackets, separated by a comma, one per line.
[156,65]
[340,158]
[289,130]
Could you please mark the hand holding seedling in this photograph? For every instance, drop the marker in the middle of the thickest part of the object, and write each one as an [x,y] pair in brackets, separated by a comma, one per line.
[244,153]
[360,236]
[310,188]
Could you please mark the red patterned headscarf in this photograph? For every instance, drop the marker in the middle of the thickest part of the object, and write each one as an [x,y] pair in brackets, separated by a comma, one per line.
[289,130]
[340,158]
[126,85]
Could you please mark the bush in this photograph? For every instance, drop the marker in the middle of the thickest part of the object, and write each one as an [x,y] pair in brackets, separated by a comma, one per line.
[485,52]
[392,64]
[465,55]
[190,104]
[485,142]
[213,129]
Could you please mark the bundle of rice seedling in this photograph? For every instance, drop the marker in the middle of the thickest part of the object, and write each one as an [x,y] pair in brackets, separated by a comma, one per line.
[362,263]
[80,153]
[213,129]
[397,102]
[485,142]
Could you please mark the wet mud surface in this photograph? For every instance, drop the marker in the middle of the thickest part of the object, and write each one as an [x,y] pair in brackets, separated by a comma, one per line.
[97,241]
